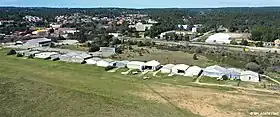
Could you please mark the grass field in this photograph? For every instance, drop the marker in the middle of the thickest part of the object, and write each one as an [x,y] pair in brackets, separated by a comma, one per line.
[164,56]
[39,88]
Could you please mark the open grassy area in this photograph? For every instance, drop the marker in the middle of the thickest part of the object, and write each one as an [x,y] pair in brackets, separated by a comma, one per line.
[164,56]
[35,88]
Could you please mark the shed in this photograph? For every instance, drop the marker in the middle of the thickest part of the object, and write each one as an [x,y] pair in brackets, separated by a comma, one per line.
[249,76]
[106,63]
[22,52]
[121,63]
[167,68]
[152,65]
[136,65]
[44,55]
[193,71]
[31,53]
[234,73]
[55,57]
[180,69]
[92,61]
[215,71]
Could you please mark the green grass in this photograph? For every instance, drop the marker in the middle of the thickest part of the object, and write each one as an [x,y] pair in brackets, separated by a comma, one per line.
[34,88]
[275,76]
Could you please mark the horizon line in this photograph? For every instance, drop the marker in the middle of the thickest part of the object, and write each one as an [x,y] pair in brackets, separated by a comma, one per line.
[116,7]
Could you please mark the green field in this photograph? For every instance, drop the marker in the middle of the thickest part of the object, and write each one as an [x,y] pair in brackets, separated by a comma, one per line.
[33,88]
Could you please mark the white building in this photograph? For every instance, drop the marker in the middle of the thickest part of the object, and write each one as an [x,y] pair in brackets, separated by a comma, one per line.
[115,34]
[193,71]
[218,38]
[215,71]
[121,63]
[167,68]
[44,55]
[92,61]
[39,42]
[180,69]
[106,63]
[249,76]
[152,65]
[185,27]
[136,65]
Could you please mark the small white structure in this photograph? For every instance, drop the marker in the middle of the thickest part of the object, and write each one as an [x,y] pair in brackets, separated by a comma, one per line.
[55,57]
[180,69]
[234,73]
[136,65]
[249,76]
[31,53]
[92,61]
[218,38]
[44,55]
[115,34]
[152,65]
[167,68]
[39,42]
[193,71]
[121,64]
[106,63]
[215,71]
[77,59]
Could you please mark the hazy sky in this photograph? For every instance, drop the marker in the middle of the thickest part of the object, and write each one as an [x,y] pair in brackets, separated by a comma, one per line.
[141,3]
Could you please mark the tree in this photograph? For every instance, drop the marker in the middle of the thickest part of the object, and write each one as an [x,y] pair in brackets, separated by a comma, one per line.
[93,48]
[12,52]
[244,42]
[259,44]
[253,67]
[140,44]
[233,42]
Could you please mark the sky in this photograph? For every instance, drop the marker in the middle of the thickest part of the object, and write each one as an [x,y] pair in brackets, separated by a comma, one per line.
[140,3]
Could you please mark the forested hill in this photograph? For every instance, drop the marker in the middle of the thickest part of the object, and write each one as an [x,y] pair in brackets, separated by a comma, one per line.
[262,22]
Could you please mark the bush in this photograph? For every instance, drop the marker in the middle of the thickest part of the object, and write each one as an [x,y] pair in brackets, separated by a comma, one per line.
[259,44]
[233,42]
[19,55]
[253,66]
[244,42]
[140,44]
[225,77]
[195,57]
[93,48]
[12,52]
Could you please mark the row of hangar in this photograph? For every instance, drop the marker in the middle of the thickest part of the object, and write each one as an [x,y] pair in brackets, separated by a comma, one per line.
[153,65]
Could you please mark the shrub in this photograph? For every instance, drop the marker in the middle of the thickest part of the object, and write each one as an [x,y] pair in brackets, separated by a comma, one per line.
[195,57]
[253,66]
[12,52]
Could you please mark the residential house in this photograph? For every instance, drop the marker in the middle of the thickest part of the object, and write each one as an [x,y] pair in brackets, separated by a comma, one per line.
[106,63]
[184,27]
[249,76]
[180,69]
[167,68]
[136,65]
[215,71]
[193,71]
[152,65]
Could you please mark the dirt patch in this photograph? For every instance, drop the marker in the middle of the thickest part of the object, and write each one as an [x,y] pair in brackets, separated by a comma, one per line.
[209,102]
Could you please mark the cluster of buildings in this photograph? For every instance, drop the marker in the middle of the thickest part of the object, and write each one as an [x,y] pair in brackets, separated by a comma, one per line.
[32,18]
[97,58]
